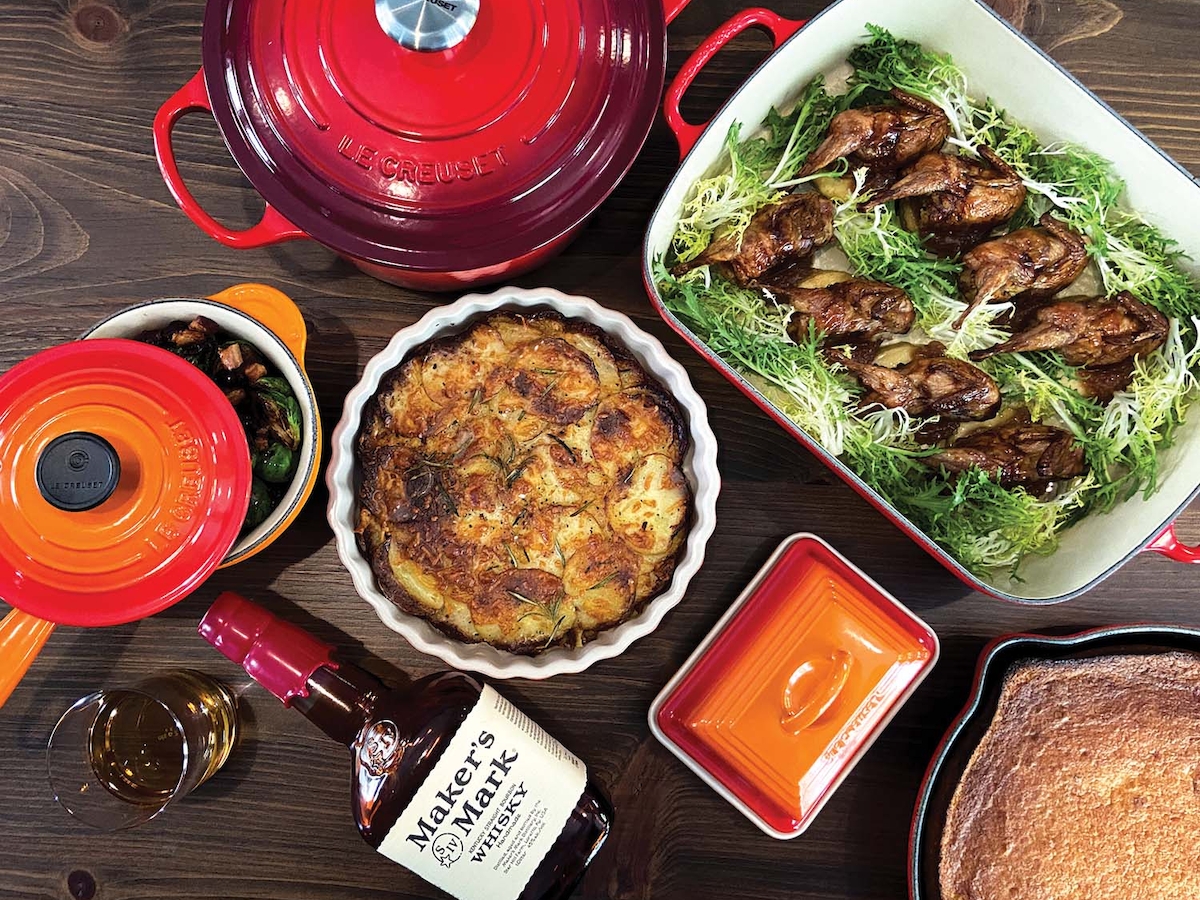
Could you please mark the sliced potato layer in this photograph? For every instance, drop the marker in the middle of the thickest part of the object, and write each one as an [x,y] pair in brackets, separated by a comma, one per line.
[648,508]
[521,483]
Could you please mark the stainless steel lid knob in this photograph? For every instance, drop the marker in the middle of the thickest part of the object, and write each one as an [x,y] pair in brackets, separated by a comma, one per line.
[427,24]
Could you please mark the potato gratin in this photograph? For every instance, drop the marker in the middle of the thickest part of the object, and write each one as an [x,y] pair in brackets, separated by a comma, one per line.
[522,483]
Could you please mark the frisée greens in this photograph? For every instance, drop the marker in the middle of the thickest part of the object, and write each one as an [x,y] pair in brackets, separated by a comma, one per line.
[984,525]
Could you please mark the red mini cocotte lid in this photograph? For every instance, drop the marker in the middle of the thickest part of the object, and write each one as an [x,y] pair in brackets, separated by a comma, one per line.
[124,481]
[428,134]
[790,688]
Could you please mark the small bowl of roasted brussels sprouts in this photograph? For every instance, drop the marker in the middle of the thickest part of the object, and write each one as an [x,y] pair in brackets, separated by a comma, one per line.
[250,340]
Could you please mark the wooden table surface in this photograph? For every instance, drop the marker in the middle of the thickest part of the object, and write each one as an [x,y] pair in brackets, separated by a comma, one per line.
[87,226]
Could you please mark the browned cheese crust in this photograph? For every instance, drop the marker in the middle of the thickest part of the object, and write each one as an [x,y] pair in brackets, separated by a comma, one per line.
[1086,786]
[522,483]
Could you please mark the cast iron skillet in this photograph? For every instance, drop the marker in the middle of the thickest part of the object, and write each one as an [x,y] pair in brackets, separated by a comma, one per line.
[946,768]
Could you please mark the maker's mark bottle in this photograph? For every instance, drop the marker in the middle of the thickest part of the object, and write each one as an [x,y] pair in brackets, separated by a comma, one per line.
[450,779]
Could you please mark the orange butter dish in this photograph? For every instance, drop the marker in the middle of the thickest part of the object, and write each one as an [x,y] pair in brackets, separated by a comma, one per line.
[793,685]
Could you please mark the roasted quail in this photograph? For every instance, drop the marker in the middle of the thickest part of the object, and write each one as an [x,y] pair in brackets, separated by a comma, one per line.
[779,234]
[1089,331]
[1018,453]
[881,138]
[931,385]
[954,201]
[1029,263]
[1102,382]
[838,304]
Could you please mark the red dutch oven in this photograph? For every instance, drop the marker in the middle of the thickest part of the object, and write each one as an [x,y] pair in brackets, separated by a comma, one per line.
[436,144]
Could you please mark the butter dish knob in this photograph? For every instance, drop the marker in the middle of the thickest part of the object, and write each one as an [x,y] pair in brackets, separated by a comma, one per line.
[812,690]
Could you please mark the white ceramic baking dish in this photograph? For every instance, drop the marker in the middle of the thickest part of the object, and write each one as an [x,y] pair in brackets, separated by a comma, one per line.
[700,466]
[1000,63]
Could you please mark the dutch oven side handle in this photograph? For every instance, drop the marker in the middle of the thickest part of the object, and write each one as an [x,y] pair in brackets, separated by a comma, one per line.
[1169,545]
[272,229]
[780,28]
[672,8]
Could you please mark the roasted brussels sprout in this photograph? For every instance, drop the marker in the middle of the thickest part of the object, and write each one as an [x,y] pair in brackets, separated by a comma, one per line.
[275,464]
[280,413]
[261,504]
[263,399]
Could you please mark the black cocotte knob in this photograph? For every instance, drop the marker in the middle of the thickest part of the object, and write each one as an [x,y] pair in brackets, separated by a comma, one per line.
[78,471]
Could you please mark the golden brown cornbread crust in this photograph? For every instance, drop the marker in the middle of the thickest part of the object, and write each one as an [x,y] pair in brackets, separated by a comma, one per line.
[1086,786]
[522,483]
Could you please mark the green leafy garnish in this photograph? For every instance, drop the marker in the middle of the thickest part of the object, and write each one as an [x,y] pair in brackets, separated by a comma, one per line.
[606,580]
[984,525]
[880,249]
[760,170]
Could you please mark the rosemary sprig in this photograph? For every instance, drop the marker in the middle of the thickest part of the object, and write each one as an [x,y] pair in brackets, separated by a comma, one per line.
[510,467]
[554,632]
[424,479]
[583,508]
[515,472]
[512,556]
[549,387]
[564,445]
[447,499]
[549,611]
[603,581]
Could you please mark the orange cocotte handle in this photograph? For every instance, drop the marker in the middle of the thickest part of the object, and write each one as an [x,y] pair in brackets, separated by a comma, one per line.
[272,309]
[21,639]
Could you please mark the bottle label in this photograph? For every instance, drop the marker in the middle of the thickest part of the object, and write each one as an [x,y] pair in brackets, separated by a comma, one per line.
[494,804]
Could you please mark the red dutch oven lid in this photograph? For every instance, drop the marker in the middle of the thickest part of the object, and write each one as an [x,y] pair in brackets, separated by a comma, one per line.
[124,481]
[438,135]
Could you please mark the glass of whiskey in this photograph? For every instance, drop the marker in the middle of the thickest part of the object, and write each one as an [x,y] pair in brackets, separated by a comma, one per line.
[117,758]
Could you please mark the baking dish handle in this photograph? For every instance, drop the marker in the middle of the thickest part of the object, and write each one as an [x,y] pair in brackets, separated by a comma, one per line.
[780,28]
[1169,545]
[21,639]
[272,309]
[273,228]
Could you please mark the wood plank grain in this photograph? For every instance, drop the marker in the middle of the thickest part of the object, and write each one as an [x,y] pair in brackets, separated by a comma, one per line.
[87,226]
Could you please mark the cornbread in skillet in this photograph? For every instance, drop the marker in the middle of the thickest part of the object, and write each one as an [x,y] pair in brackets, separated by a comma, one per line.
[1086,786]
[522,483]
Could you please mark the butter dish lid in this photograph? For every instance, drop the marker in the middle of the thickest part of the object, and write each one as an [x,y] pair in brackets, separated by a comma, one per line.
[793,684]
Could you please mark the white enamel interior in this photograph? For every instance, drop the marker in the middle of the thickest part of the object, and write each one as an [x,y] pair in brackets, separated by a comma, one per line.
[130,322]
[700,467]
[1001,64]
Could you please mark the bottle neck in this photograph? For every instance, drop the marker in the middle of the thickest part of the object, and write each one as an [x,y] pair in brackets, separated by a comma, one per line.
[340,701]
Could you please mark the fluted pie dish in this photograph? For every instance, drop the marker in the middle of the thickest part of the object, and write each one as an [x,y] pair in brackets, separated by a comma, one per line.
[522,483]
